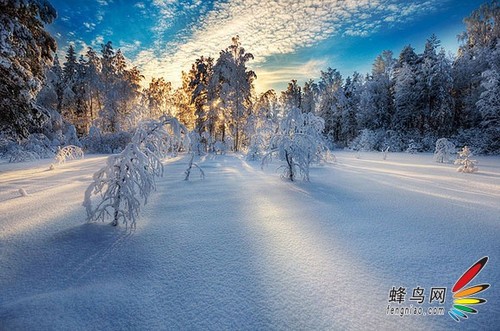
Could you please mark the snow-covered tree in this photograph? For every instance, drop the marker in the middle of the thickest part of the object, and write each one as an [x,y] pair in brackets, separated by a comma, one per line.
[413,147]
[310,97]
[292,96]
[405,100]
[128,179]
[466,164]
[376,102]
[158,97]
[298,142]
[182,102]
[231,89]
[332,102]
[489,108]
[444,150]
[52,93]
[348,122]
[489,101]
[26,49]
[441,102]
[199,80]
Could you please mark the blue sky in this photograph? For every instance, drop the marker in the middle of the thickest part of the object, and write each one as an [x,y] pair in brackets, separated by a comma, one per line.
[289,39]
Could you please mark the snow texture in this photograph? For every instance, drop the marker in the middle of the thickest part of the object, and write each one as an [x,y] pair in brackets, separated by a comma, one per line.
[246,250]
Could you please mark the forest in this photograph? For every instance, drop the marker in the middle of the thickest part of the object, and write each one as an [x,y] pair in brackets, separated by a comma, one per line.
[97,100]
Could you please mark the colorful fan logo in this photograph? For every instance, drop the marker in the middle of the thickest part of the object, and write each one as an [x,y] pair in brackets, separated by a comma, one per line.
[463,298]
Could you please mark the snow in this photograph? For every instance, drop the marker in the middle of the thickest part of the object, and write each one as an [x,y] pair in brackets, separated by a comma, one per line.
[244,249]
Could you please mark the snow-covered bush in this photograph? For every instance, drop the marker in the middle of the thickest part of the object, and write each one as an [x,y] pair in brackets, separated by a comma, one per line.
[467,165]
[220,147]
[394,140]
[18,154]
[413,147]
[96,142]
[128,178]
[39,144]
[36,147]
[428,143]
[367,140]
[6,144]
[298,142]
[70,152]
[444,150]
[473,138]
[259,141]
[196,145]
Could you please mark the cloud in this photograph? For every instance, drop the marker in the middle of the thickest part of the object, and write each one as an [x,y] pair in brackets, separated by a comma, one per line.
[282,75]
[89,26]
[140,5]
[269,28]
[104,2]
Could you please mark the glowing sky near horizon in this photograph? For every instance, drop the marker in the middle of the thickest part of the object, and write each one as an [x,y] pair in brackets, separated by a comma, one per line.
[289,39]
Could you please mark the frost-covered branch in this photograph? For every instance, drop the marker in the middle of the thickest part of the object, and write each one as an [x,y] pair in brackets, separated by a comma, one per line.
[70,152]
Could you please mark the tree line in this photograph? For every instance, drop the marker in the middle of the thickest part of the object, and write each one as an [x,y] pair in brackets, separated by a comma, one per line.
[411,99]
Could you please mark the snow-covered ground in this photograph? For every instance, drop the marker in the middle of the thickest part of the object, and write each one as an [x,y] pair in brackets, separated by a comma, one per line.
[244,249]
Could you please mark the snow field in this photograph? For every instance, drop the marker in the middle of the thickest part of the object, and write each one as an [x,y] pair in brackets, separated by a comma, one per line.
[244,249]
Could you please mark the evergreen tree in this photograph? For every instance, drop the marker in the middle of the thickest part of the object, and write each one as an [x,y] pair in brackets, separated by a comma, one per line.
[184,108]
[25,51]
[292,97]
[159,98]
[232,84]
[200,76]
[332,102]
[310,97]
[349,123]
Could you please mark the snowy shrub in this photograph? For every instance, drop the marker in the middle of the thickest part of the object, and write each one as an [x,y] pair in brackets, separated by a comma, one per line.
[394,140]
[128,178]
[220,147]
[298,142]
[39,144]
[70,136]
[259,142]
[18,154]
[196,145]
[473,138]
[6,144]
[256,148]
[70,152]
[467,165]
[96,142]
[365,141]
[428,143]
[413,147]
[444,150]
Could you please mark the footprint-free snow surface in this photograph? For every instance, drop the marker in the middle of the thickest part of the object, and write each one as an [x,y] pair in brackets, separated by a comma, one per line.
[245,249]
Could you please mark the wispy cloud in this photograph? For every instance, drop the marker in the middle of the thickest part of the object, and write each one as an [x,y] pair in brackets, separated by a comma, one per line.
[270,28]
[269,77]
